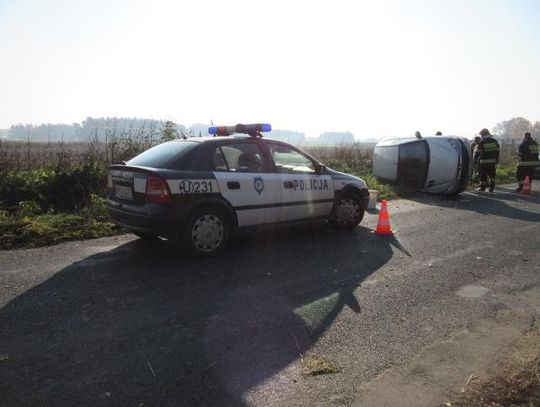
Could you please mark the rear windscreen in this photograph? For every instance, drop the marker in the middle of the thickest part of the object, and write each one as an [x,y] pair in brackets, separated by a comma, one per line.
[161,156]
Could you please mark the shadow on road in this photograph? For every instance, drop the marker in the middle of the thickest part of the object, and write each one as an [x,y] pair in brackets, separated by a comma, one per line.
[141,326]
[499,203]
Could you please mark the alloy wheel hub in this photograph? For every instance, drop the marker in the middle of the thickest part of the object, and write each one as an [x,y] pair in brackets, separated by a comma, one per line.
[347,211]
[207,233]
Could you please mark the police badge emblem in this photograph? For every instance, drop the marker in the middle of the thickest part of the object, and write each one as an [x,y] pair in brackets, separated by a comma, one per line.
[258,184]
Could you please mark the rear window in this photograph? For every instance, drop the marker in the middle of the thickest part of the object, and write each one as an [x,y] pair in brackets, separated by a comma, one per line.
[162,155]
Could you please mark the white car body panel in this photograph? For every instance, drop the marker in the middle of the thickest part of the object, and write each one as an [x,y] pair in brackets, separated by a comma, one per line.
[306,188]
[247,195]
[447,164]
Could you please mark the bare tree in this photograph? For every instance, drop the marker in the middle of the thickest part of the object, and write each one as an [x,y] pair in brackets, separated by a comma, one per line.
[513,129]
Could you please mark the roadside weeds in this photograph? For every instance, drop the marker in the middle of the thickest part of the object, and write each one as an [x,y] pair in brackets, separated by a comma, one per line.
[512,382]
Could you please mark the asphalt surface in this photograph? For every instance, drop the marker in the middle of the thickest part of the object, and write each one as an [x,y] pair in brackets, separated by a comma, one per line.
[114,322]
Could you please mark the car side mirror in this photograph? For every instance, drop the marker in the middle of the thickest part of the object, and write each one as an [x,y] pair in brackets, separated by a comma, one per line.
[320,168]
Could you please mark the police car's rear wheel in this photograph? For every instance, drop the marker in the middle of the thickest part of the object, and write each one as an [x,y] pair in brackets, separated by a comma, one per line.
[348,212]
[206,232]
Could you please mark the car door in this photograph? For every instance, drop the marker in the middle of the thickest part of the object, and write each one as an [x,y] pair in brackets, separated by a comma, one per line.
[304,193]
[247,180]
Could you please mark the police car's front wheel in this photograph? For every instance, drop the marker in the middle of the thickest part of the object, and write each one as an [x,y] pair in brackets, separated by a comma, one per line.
[206,232]
[348,212]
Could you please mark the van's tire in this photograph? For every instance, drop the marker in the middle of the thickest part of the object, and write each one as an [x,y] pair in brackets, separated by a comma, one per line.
[206,232]
[348,211]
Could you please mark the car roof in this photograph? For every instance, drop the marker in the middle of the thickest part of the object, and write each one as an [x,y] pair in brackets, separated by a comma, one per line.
[210,139]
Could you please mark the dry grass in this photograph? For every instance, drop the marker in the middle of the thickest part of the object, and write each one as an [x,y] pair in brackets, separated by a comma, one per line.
[17,155]
[29,155]
[514,382]
[20,155]
[313,365]
[355,158]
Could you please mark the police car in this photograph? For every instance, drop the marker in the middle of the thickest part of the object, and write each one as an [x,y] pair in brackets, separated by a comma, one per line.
[199,191]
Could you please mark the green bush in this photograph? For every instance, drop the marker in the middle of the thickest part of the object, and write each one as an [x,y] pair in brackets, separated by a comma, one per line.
[506,174]
[59,190]
[28,208]
[386,191]
[46,206]
[96,209]
[48,229]
[20,186]
[72,189]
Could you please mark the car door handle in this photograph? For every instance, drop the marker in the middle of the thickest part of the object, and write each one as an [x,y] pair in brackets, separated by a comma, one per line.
[233,185]
[288,184]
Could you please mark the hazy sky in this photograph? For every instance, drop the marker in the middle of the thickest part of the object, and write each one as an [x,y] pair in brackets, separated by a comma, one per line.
[375,68]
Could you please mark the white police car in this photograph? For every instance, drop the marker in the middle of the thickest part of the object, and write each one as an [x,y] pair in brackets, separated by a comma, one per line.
[199,191]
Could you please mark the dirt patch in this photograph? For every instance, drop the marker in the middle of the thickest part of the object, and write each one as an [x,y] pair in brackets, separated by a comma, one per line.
[458,371]
[512,382]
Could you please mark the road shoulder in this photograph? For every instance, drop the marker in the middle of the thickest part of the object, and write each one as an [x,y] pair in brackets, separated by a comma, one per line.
[444,370]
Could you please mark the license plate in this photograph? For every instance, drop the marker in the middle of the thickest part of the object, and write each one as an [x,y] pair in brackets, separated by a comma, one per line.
[123,192]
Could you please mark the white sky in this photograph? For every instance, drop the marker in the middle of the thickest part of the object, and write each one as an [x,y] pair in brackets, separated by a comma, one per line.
[375,68]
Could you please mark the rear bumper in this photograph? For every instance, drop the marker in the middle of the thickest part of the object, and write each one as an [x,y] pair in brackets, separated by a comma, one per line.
[143,223]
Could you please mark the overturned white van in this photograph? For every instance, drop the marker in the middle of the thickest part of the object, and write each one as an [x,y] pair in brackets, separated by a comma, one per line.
[432,164]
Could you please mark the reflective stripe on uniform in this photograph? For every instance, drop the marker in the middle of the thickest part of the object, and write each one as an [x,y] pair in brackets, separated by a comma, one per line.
[488,161]
[528,163]
[490,147]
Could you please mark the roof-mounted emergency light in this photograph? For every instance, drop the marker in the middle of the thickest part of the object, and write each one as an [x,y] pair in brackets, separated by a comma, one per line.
[254,130]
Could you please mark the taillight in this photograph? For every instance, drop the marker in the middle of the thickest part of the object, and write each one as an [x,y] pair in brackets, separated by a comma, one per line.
[157,190]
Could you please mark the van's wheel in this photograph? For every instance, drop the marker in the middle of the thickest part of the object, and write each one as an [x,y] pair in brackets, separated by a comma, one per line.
[206,232]
[348,211]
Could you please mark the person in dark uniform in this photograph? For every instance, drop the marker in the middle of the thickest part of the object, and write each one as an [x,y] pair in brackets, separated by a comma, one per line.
[476,156]
[527,160]
[488,150]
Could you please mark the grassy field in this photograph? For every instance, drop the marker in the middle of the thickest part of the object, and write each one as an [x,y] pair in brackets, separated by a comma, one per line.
[52,192]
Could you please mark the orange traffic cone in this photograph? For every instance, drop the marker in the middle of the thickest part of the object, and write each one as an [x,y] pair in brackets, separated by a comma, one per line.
[527,186]
[383,226]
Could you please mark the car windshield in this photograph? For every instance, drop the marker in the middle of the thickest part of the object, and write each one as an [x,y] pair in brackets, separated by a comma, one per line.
[161,155]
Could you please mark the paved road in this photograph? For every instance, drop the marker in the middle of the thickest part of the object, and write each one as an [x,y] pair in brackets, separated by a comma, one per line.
[112,322]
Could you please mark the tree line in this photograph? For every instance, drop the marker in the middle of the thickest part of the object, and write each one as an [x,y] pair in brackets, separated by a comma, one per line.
[150,130]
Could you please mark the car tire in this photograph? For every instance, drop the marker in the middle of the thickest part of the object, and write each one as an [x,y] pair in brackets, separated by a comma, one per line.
[348,211]
[206,232]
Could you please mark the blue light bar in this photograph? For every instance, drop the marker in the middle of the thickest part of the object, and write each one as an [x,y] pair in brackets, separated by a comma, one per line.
[265,127]
[239,128]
